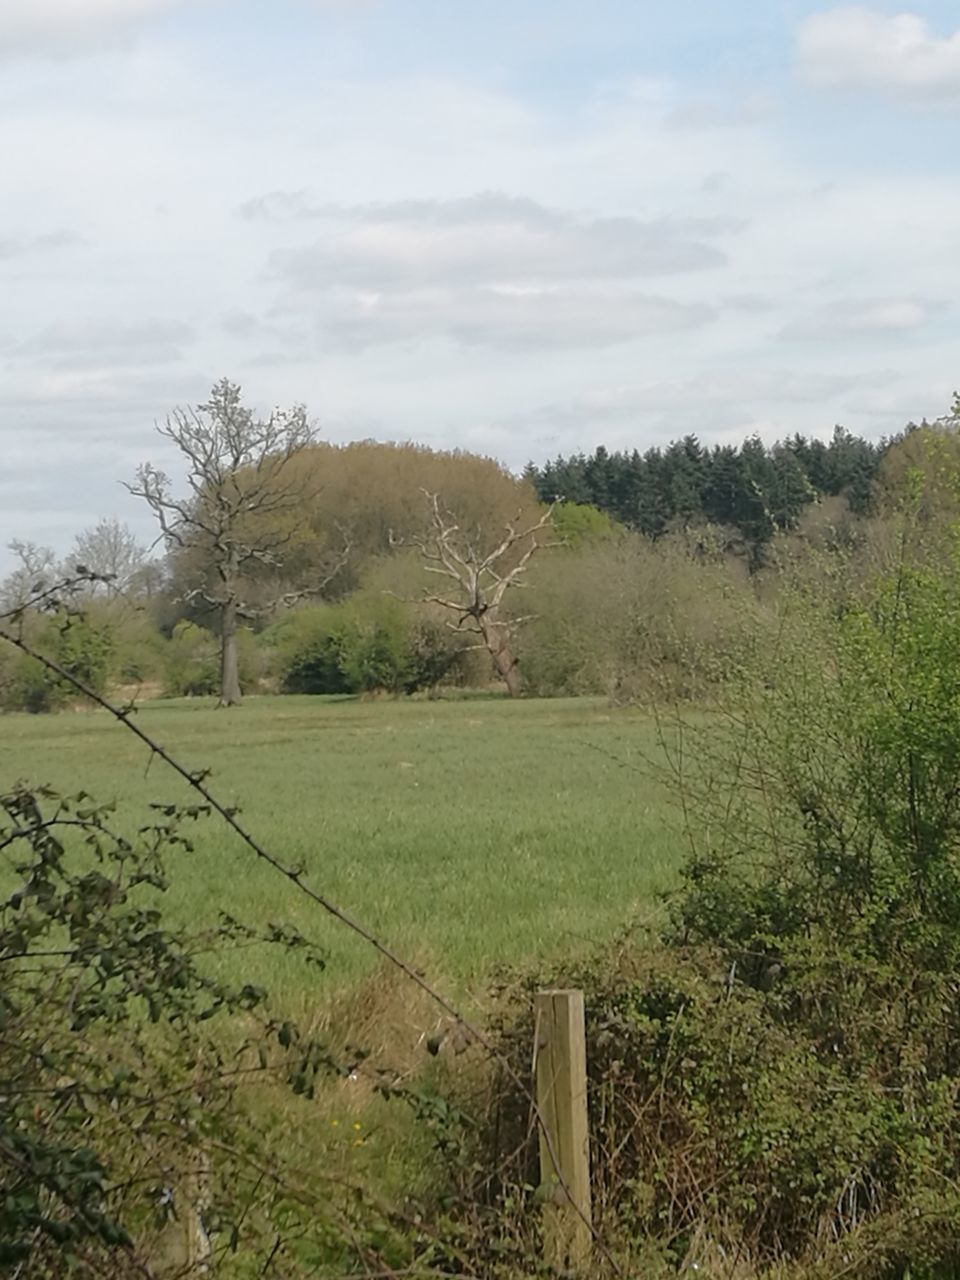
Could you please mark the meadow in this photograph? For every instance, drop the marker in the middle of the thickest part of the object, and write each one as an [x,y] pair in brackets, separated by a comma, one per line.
[469,833]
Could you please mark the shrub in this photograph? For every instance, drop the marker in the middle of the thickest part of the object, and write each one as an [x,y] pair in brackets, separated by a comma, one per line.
[633,620]
[140,651]
[81,644]
[26,685]
[369,643]
[828,881]
[304,650]
[577,524]
[438,655]
[126,1112]
[85,648]
[375,649]
[776,1078]
[849,753]
[192,662]
[191,659]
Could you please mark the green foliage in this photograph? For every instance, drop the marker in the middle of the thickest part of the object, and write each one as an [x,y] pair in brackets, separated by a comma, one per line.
[85,647]
[113,1083]
[721,1127]
[368,644]
[305,650]
[192,661]
[576,524]
[752,489]
[853,742]
[82,643]
[777,1075]
[634,621]
[140,650]
[827,876]
[832,887]
[25,685]
[439,656]
[375,650]
[129,1121]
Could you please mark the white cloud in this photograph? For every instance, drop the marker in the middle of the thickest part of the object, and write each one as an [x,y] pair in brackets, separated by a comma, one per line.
[489,238]
[18,244]
[61,26]
[707,114]
[750,303]
[858,48]
[864,317]
[105,343]
[400,304]
[69,412]
[506,317]
[488,270]
[734,394]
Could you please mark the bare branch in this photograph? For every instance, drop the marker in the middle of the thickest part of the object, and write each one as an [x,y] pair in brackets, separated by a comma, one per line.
[482,579]
[295,877]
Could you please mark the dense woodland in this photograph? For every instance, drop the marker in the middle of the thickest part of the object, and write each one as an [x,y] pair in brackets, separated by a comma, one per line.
[624,573]
[753,491]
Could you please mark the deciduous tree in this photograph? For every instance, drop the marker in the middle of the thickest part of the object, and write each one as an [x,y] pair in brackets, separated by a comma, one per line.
[112,554]
[240,513]
[36,570]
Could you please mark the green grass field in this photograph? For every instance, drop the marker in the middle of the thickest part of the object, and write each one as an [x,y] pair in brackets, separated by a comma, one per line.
[468,833]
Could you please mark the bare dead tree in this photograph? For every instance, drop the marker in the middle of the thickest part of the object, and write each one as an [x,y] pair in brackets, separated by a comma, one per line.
[241,510]
[198,781]
[479,580]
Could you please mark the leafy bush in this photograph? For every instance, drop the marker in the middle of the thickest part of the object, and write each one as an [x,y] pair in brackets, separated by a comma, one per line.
[304,650]
[720,1129]
[367,644]
[375,650]
[81,644]
[632,620]
[127,1126]
[72,1093]
[577,524]
[26,685]
[85,648]
[192,660]
[437,655]
[777,1077]
[850,754]
[140,651]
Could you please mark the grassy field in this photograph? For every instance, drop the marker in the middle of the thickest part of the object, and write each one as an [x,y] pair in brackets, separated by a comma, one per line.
[468,833]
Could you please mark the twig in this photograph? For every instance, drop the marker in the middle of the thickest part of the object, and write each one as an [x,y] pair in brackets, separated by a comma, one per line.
[196,780]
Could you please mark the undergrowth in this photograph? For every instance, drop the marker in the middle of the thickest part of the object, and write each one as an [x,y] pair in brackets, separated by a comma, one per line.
[774,1079]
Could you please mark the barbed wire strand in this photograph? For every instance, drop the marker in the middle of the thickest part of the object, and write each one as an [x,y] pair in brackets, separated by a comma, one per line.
[197,781]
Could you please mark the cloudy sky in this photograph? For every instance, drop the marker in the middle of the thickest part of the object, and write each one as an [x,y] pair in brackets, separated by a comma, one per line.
[518,226]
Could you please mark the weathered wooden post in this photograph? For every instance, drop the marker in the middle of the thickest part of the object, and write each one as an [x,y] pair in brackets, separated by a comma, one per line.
[561,1058]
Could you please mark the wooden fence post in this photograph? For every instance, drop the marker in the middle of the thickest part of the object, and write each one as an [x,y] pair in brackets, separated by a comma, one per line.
[561,1058]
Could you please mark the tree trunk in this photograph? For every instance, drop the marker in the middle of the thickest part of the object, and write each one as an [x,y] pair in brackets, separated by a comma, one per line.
[507,666]
[229,671]
[503,659]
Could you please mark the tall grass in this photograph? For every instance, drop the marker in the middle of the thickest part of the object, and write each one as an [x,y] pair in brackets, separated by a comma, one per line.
[468,833]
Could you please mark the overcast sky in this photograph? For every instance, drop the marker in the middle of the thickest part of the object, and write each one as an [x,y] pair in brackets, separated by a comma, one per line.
[522,227]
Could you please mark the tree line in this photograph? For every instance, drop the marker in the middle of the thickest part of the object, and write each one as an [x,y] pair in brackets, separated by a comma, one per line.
[753,491]
[293,564]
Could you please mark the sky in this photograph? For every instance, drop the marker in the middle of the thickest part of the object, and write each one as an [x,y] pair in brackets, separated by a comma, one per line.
[519,227]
